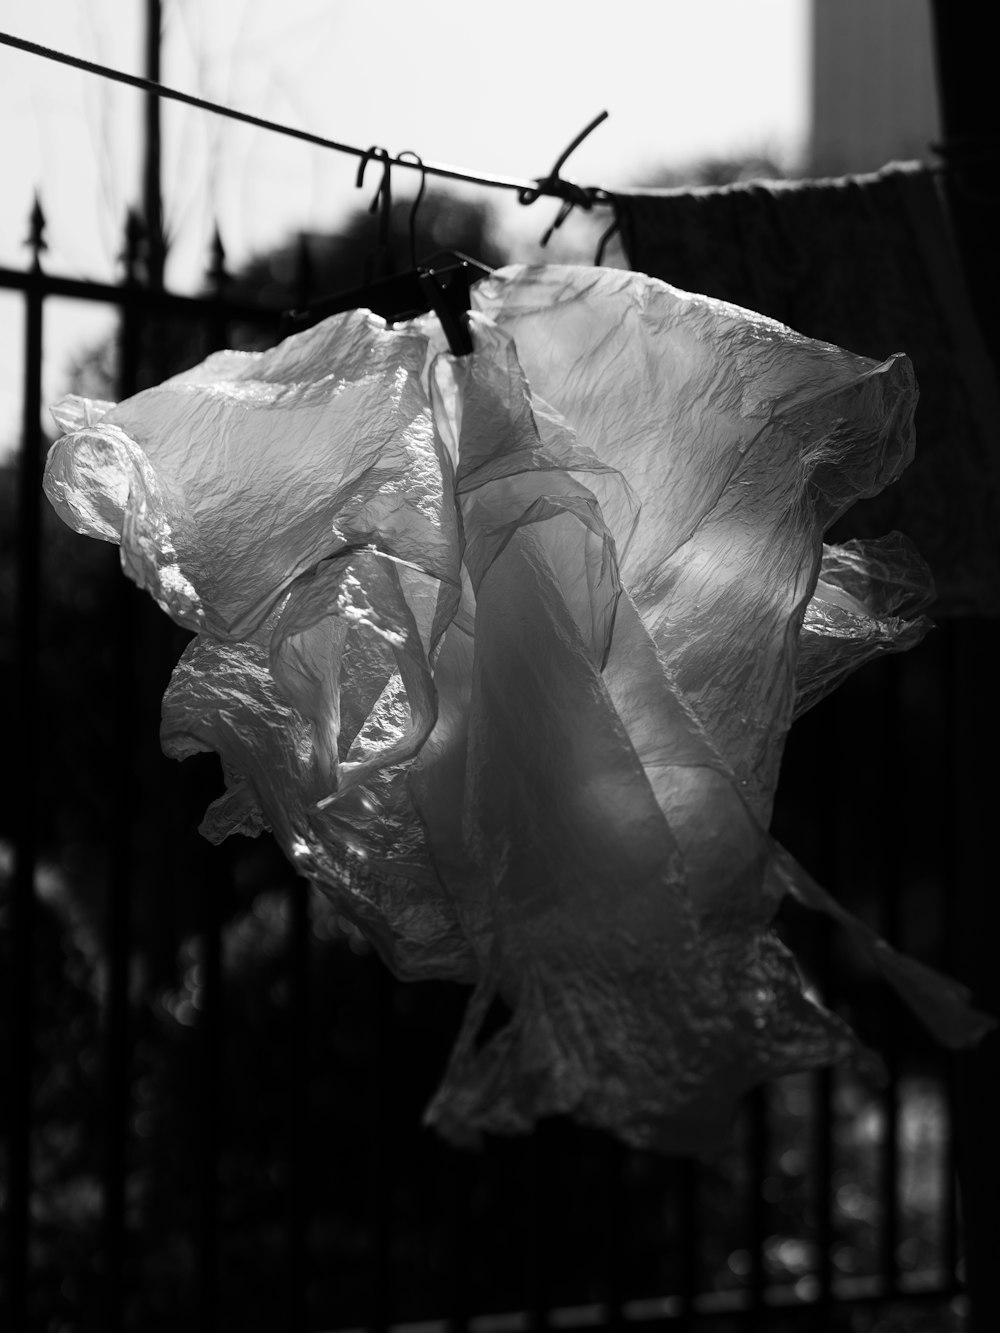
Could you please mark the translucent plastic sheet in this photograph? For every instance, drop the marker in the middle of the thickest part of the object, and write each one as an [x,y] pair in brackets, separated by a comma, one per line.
[504,650]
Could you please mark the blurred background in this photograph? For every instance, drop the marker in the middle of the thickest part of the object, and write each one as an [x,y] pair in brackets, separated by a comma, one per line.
[696,92]
[222,1124]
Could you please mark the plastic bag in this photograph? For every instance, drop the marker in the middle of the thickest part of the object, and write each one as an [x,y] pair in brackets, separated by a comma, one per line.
[504,650]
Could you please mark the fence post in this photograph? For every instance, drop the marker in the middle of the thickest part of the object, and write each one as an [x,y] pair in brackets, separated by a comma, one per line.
[117,906]
[214,871]
[970,120]
[23,902]
[976,645]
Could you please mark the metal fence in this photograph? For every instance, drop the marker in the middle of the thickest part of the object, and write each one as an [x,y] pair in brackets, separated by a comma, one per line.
[213,1107]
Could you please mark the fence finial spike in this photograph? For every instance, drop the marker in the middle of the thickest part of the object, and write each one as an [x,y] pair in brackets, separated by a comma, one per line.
[134,234]
[36,230]
[303,270]
[217,274]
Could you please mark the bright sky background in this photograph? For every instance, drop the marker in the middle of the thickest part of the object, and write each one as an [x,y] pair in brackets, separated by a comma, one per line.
[498,88]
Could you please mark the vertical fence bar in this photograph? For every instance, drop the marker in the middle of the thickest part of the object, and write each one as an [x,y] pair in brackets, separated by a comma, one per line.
[689,1186]
[117,910]
[298,1104]
[218,279]
[894,770]
[834,776]
[25,721]
[207,1277]
[976,645]
[216,864]
[758,1146]
[946,682]
[304,279]
[615,1162]
[381,1149]
[462,1168]
[823,1166]
[542,1167]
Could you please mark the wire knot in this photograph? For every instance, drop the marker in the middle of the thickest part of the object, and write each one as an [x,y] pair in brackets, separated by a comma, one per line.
[576,196]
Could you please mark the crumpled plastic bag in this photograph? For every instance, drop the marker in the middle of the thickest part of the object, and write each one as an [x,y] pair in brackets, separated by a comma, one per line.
[504,650]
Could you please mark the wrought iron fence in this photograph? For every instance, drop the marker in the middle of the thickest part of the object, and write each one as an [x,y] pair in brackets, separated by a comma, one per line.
[213,1107]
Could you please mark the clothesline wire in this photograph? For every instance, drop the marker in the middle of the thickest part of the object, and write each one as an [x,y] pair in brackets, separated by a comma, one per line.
[552,184]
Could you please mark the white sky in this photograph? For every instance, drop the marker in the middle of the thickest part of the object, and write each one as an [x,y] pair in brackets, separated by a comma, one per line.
[499,88]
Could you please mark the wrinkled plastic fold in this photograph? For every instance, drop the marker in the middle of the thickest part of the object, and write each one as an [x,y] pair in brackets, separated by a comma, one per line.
[504,649]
